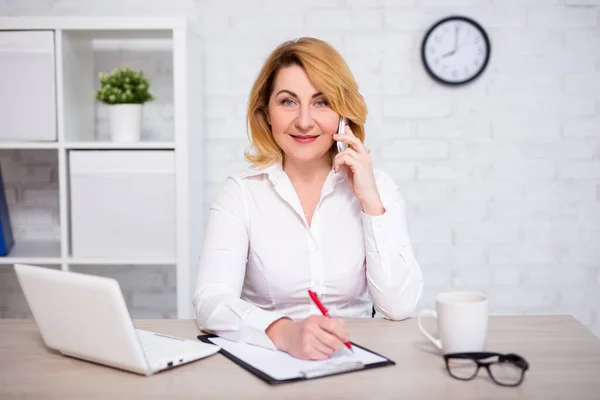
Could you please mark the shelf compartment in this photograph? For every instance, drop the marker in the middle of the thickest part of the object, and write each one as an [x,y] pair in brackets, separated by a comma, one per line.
[31,185]
[26,67]
[122,204]
[150,291]
[84,54]
[33,252]
[12,300]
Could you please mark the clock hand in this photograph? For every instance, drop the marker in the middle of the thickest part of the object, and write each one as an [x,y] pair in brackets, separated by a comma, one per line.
[455,37]
[460,45]
[448,53]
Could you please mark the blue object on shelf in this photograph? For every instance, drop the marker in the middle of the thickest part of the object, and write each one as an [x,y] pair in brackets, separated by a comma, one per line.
[6,239]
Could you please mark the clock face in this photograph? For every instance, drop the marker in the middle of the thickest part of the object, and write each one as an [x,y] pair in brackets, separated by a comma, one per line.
[455,50]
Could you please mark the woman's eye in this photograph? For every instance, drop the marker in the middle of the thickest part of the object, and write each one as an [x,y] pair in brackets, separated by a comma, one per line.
[287,102]
[321,103]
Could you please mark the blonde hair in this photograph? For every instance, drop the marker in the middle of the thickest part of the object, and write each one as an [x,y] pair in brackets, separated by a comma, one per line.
[330,74]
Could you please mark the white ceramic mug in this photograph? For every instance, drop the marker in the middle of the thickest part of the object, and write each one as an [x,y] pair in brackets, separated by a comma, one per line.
[462,320]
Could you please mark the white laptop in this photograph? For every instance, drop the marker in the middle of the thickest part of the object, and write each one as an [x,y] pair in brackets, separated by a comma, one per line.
[85,316]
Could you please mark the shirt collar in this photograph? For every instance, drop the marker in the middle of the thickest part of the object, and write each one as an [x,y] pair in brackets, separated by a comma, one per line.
[276,174]
[283,186]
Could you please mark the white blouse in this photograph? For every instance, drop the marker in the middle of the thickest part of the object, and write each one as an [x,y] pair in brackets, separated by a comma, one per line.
[260,256]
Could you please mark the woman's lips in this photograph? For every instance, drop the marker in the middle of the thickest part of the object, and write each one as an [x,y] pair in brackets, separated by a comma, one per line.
[304,139]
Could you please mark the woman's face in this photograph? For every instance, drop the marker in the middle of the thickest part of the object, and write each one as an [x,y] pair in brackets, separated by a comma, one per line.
[301,119]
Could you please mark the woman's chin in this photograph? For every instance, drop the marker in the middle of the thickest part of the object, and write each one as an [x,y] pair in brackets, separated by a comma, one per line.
[307,155]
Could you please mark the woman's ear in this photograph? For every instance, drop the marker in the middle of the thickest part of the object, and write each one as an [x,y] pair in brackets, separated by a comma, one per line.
[268,116]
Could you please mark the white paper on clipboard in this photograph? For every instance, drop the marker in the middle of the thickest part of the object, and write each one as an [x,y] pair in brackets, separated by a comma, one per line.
[282,366]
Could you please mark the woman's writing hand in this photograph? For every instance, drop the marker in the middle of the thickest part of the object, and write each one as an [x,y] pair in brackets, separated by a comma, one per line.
[314,338]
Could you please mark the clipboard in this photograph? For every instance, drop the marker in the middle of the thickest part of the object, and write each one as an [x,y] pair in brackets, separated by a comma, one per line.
[259,361]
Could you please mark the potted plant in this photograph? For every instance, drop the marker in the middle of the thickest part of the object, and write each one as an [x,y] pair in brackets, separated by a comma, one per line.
[125,91]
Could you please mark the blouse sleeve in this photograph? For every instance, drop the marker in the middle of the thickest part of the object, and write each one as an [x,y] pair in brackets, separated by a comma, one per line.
[221,272]
[394,277]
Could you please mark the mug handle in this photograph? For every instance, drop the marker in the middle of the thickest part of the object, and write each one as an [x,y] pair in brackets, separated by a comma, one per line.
[433,313]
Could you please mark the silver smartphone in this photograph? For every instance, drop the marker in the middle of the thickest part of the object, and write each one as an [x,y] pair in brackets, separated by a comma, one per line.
[341,127]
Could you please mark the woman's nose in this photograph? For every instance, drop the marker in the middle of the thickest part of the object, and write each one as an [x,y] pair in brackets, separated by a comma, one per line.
[304,121]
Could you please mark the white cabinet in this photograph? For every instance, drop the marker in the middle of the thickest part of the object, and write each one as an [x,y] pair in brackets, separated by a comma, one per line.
[122,203]
[27,86]
[126,204]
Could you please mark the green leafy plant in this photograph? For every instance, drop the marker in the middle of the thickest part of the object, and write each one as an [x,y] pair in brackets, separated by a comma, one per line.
[124,86]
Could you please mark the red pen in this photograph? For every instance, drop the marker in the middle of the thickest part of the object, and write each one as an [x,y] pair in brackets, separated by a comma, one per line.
[324,311]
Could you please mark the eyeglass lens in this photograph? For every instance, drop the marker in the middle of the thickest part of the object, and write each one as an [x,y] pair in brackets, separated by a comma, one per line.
[506,373]
[502,372]
[462,368]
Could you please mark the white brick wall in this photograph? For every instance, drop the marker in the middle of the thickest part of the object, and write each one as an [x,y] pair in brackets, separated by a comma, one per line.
[501,178]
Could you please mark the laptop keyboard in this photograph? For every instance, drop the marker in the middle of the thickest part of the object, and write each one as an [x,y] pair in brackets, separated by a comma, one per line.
[158,347]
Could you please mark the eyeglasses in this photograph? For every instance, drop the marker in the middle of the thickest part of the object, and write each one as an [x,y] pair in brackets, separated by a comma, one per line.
[504,369]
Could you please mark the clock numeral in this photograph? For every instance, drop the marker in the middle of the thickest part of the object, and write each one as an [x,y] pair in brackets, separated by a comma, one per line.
[454,73]
[480,51]
[432,50]
[436,61]
[438,39]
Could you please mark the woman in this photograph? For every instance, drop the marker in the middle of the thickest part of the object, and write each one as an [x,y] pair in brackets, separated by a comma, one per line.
[305,217]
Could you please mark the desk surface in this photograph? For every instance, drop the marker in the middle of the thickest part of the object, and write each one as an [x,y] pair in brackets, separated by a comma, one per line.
[564,357]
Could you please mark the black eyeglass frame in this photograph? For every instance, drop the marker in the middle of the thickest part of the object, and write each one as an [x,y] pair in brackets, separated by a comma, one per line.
[512,358]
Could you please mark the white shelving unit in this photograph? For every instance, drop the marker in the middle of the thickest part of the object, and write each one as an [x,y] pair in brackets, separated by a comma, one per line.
[73,40]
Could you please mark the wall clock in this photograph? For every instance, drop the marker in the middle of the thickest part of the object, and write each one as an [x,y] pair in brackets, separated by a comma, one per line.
[455,50]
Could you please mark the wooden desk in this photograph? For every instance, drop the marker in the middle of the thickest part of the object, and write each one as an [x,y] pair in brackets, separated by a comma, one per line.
[564,358]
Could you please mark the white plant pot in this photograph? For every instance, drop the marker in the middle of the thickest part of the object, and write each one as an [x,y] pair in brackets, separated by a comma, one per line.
[125,121]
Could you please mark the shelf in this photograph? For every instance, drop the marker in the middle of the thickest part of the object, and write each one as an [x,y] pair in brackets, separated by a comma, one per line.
[29,145]
[168,49]
[99,24]
[96,145]
[122,261]
[33,252]
[100,145]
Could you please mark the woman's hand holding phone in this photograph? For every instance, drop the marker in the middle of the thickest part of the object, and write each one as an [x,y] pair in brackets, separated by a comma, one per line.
[355,158]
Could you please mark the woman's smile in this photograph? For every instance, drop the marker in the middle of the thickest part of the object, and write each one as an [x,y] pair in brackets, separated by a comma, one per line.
[305,138]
